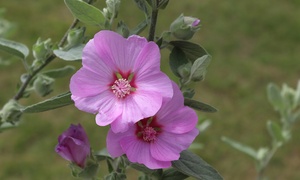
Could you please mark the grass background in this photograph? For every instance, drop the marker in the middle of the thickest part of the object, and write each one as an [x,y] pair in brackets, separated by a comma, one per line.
[252,43]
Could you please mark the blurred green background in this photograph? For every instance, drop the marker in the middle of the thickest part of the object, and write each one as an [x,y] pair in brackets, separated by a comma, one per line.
[252,43]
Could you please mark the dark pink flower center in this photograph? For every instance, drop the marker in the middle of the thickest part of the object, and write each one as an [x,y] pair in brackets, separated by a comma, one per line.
[147,129]
[121,88]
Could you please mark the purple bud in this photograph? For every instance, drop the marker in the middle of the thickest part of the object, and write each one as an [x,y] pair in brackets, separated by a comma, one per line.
[196,23]
[73,145]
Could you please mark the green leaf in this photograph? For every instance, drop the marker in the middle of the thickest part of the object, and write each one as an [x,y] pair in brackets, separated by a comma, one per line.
[199,68]
[274,97]
[140,27]
[142,168]
[115,176]
[177,58]
[173,174]
[60,72]
[85,12]
[89,172]
[192,165]
[192,51]
[14,48]
[241,147]
[142,5]
[200,106]
[275,131]
[49,104]
[75,53]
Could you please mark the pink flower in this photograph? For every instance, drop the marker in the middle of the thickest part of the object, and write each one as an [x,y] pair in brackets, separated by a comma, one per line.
[158,140]
[120,80]
[73,145]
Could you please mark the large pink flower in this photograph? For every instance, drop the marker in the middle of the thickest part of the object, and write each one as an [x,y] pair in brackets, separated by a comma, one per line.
[120,80]
[158,140]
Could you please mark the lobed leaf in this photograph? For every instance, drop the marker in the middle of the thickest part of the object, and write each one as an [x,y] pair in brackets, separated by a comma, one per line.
[86,13]
[177,58]
[73,54]
[192,51]
[200,106]
[241,147]
[49,104]
[173,174]
[14,48]
[192,165]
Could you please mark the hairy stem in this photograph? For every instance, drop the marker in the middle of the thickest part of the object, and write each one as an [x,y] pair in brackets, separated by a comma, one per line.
[153,20]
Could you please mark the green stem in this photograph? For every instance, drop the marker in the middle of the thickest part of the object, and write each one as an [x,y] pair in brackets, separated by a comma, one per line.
[153,20]
[266,161]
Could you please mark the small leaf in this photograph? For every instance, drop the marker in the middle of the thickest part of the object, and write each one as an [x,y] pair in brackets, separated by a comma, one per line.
[85,12]
[14,48]
[142,168]
[72,54]
[275,97]
[275,131]
[140,27]
[49,104]
[115,176]
[142,5]
[177,58]
[199,68]
[200,106]
[192,165]
[173,174]
[241,147]
[192,51]
[89,171]
[60,72]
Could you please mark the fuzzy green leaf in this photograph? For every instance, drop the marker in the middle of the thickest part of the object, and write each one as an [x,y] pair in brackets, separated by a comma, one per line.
[192,51]
[241,147]
[192,165]
[14,48]
[200,106]
[49,104]
[86,13]
[275,131]
[73,54]
[199,66]
[275,97]
[60,72]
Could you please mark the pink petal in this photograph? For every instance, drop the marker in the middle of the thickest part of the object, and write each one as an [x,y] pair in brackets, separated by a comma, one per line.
[120,125]
[113,144]
[170,106]
[86,83]
[91,60]
[147,102]
[114,49]
[178,121]
[139,152]
[155,81]
[148,59]
[168,146]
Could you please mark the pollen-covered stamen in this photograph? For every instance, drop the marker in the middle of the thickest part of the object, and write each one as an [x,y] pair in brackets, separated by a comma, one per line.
[149,134]
[121,88]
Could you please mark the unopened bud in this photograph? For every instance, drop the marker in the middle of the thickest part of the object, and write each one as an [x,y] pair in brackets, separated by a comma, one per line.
[11,112]
[75,37]
[42,49]
[185,70]
[43,85]
[113,6]
[184,27]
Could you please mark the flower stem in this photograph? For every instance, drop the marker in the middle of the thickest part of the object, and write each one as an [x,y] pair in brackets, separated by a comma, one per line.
[153,20]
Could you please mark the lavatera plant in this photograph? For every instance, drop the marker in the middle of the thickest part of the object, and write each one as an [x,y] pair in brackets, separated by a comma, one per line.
[152,119]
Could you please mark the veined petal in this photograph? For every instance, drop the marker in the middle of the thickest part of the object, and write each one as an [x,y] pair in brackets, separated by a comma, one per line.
[179,121]
[139,152]
[148,58]
[168,146]
[114,50]
[154,81]
[86,83]
[120,125]
[92,61]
